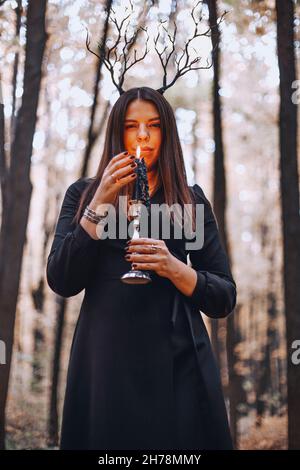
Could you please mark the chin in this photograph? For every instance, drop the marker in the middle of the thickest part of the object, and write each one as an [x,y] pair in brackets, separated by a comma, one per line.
[150,163]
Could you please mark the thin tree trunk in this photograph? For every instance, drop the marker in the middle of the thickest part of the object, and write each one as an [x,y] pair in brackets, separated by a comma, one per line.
[18,189]
[3,156]
[15,70]
[38,293]
[219,205]
[219,179]
[53,412]
[289,207]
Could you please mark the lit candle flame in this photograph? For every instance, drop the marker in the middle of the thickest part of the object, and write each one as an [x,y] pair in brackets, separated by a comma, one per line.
[138,152]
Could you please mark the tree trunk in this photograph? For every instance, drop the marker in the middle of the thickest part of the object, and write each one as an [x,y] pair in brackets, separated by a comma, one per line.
[38,293]
[53,412]
[219,178]
[219,205]
[3,158]
[289,207]
[15,71]
[18,187]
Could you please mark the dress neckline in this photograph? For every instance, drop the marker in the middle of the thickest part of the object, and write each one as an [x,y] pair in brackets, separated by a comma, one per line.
[157,191]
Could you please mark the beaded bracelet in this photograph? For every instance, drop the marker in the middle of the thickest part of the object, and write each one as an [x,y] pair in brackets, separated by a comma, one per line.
[92,216]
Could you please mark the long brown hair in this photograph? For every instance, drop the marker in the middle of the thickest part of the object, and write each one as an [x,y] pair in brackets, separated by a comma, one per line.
[171,169]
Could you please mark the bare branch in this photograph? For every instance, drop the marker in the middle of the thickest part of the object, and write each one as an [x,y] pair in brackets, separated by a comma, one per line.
[122,43]
[119,50]
[183,61]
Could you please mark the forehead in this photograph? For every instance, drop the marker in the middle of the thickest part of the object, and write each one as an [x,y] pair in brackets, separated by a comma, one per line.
[141,109]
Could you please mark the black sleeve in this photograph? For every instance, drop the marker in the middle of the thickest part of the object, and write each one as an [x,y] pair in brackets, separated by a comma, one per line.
[215,290]
[73,252]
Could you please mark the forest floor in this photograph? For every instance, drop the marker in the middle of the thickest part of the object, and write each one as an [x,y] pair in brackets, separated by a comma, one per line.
[270,435]
[26,429]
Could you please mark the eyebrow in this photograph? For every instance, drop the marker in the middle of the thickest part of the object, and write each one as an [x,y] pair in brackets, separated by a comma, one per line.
[134,120]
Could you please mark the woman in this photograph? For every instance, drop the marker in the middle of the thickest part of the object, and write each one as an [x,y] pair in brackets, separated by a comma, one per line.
[141,373]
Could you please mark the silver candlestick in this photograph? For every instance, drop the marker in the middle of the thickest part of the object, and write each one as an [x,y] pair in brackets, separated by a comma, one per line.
[135,276]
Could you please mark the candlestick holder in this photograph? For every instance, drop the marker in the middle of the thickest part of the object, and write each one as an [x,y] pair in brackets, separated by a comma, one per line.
[140,199]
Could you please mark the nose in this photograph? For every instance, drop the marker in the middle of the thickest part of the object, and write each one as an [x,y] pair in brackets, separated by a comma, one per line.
[142,134]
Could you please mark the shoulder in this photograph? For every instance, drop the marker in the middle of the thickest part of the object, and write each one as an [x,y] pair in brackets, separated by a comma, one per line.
[76,189]
[198,194]
[200,198]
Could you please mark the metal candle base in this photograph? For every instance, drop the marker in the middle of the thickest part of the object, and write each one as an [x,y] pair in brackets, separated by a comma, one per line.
[135,276]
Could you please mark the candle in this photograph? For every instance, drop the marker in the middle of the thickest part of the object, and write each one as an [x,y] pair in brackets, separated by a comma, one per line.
[138,152]
[136,192]
[141,189]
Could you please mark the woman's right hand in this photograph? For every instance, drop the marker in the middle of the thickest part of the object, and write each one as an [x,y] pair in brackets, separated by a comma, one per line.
[118,173]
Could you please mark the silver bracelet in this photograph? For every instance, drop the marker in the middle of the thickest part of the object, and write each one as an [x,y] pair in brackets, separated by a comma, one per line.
[92,216]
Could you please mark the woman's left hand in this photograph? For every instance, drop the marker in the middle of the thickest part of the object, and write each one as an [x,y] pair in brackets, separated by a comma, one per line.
[150,254]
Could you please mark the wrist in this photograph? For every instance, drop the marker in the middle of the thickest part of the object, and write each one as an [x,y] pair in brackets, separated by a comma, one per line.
[89,227]
[183,277]
[99,206]
[174,266]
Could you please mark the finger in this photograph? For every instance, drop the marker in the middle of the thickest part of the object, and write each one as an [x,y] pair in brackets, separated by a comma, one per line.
[120,163]
[141,248]
[142,266]
[119,156]
[126,179]
[142,258]
[135,245]
[126,170]
[144,241]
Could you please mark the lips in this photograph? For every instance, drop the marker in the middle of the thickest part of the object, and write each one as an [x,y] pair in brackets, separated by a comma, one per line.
[145,149]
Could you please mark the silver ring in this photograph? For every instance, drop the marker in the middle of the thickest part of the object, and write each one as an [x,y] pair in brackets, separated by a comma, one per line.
[113,178]
[154,247]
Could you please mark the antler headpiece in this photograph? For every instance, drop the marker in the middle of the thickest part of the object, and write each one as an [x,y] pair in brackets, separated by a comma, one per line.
[183,62]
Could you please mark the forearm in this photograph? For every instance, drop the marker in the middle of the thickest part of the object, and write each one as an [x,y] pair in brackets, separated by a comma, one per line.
[70,262]
[183,277]
[89,227]
[94,230]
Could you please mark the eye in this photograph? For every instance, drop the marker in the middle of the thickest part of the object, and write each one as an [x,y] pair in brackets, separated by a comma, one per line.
[128,126]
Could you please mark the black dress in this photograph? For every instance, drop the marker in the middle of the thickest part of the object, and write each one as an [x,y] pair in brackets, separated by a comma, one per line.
[141,373]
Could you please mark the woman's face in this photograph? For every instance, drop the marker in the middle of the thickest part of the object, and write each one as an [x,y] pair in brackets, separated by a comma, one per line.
[142,127]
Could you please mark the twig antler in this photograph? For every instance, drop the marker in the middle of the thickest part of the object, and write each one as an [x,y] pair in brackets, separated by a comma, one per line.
[188,64]
[183,62]
[123,58]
